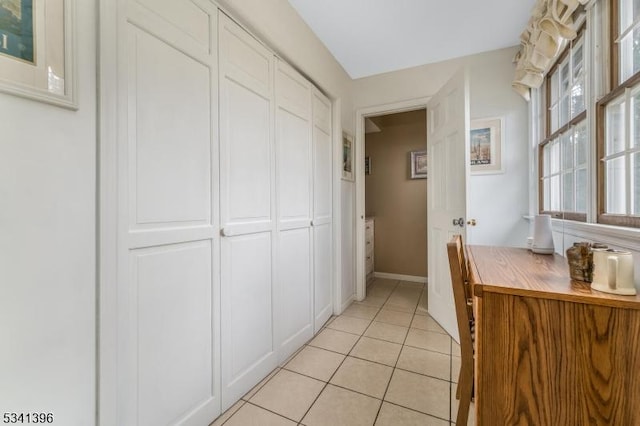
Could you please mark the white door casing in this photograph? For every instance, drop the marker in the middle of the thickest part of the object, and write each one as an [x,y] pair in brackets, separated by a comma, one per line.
[164,175]
[448,157]
[294,192]
[322,209]
[248,225]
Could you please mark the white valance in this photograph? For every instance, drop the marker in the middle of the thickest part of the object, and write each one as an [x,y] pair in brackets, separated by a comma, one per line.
[551,23]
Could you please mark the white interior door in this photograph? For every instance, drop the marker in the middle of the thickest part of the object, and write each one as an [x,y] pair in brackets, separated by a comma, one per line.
[167,234]
[247,214]
[322,209]
[294,185]
[448,148]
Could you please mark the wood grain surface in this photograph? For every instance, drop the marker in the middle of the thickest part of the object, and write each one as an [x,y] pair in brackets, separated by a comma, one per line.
[572,359]
[518,271]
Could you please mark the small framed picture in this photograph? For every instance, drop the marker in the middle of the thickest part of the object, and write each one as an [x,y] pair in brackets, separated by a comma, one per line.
[37,58]
[367,165]
[418,164]
[347,157]
[486,146]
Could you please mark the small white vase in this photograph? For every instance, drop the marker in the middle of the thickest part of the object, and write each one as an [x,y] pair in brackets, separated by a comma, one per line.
[542,235]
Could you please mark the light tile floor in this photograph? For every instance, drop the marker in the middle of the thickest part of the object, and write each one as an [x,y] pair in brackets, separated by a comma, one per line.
[384,361]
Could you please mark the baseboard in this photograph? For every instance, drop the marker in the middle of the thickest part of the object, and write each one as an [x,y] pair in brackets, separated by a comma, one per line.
[411,278]
[346,303]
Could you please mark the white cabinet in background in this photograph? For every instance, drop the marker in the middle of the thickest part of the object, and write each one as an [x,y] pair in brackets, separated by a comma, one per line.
[369,238]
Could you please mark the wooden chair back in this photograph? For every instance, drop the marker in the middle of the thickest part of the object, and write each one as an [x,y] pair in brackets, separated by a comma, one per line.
[464,313]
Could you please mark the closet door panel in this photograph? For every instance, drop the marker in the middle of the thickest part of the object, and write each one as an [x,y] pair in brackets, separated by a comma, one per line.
[167,290]
[246,156]
[173,289]
[295,311]
[322,209]
[170,142]
[294,294]
[322,274]
[247,188]
[246,305]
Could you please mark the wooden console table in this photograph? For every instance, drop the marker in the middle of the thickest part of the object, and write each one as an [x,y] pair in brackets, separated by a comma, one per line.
[550,351]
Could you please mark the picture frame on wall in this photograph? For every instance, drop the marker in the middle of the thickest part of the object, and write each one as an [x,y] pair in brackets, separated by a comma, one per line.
[37,50]
[486,146]
[418,160]
[347,157]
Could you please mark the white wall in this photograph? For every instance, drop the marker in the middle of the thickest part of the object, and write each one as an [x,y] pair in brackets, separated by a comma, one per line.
[47,247]
[497,202]
[278,24]
[348,243]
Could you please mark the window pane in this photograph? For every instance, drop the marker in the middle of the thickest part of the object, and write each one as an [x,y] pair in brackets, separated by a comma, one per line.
[615,128]
[581,190]
[554,87]
[566,141]
[635,179]
[545,160]
[626,14]
[578,62]
[630,54]
[567,192]
[554,157]
[580,142]
[554,193]
[555,123]
[616,188]
[577,97]
[635,124]
[564,93]
[577,90]
[546,203]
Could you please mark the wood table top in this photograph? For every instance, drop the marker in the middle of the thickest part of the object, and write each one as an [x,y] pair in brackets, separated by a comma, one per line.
[518,271]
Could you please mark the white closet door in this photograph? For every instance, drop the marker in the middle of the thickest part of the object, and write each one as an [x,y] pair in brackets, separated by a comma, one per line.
[322,209]
[167,285]
[247,184]
[294,291]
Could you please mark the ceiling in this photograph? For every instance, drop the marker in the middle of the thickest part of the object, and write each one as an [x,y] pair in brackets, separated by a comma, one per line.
[371,37]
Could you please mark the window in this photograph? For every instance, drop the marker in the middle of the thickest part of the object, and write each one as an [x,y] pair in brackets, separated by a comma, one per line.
[619,114]
[626,38]
[563,152]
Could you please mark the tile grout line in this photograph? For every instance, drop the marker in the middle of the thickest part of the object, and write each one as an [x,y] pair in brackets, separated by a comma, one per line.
[395,365]
[326,384]
[336,370]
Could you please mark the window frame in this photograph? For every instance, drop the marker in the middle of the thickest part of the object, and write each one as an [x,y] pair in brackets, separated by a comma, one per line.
[617,90]
[550,135]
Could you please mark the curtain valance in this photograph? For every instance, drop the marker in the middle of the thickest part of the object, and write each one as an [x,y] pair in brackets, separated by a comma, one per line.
[550,25]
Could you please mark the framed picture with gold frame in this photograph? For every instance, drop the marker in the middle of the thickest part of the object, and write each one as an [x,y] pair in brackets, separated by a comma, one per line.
[37,50]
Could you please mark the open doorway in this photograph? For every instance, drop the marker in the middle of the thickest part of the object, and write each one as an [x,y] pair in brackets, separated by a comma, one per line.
[395,180]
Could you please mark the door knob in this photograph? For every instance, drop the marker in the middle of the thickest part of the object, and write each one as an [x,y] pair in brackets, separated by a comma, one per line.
[458,222]
[471,222]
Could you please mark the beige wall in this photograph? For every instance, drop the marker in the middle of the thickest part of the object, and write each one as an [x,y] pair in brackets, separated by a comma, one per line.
[398,203]
[500,221]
